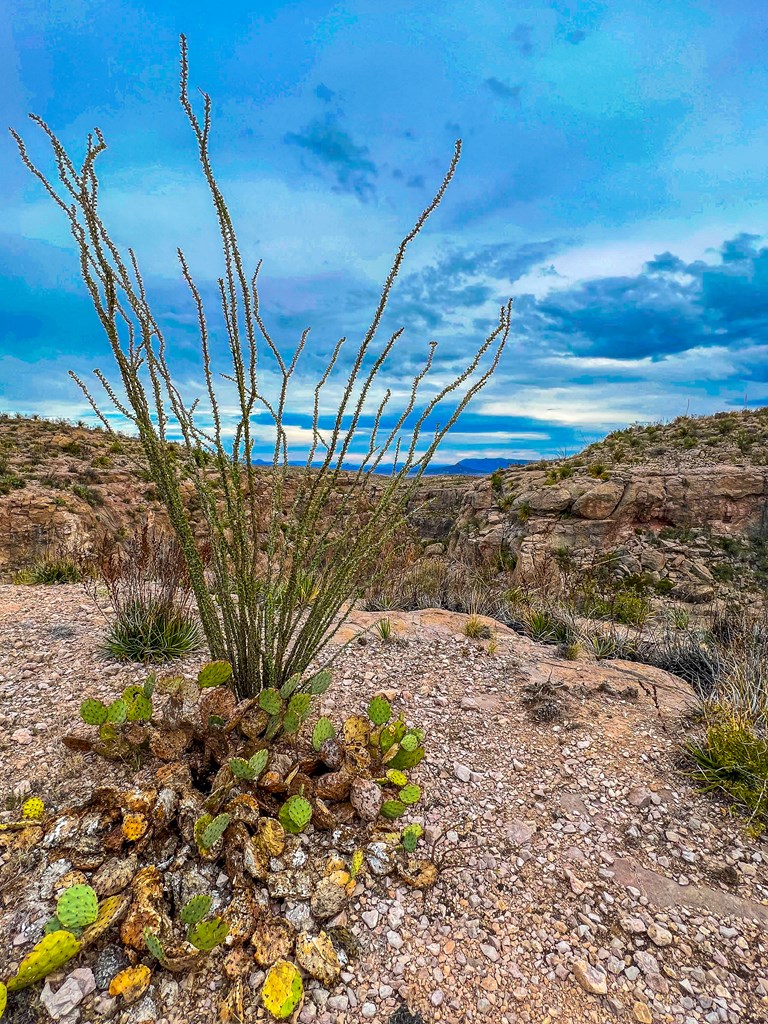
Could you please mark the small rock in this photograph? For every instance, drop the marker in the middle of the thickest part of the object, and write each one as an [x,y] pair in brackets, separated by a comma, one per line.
[659,936]
[462,773]
[371,917]
[642,1013]
[395,940]
[590,978]
[640,797]
[519,832]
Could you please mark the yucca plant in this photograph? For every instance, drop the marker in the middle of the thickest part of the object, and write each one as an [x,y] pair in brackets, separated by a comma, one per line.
[269,532]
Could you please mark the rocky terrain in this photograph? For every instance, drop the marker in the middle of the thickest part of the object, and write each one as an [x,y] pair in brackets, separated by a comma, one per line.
[682,508]
[583,878]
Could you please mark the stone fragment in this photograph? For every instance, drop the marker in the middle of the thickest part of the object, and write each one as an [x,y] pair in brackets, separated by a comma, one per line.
[590,978]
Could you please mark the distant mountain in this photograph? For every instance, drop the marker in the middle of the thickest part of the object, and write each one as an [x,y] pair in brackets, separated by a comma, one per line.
[473,467]
[464,467]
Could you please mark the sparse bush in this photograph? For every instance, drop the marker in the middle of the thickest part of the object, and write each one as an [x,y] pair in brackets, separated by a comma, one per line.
[88,494]
[150,631]
[383,630]
[476,629]
[51,569]
[11,482]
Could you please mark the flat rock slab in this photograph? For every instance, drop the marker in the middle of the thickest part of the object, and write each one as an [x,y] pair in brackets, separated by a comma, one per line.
[664,892]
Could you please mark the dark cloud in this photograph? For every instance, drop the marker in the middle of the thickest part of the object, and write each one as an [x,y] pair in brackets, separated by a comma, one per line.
[332,147]
[503,90]
[521,37]
[671,306]
[324,93]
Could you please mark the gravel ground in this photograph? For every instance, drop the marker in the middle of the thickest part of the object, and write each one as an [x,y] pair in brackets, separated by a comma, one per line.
[582,878]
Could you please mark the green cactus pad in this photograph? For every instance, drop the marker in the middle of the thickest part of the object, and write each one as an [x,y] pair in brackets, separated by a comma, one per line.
[392,809]
[387,738]
[410,741]
[283,989]
[117,711]
[139,708]
[291,723]
[149,685]
[410,794]
[270,701]
[194,910]
[53,924]
[108,733]
[215,673]
[213,831]
[154,945]
[405,759]
[299,704]
[93,712]
[207,934]
[379,710]
[410,837]
[319,683]
[258,762]
[240,769]
[291,686]
[295,814]
[50,953]
[324,730]
[78,906]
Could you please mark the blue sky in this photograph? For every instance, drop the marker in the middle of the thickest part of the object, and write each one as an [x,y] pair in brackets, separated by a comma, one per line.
[614,182]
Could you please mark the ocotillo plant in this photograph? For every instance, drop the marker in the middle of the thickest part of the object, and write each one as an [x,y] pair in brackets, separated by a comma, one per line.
[283,573]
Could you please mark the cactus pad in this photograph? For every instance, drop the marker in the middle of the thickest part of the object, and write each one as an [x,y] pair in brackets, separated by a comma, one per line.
[50,953]
[215,673]
[283,989]
[299,704]
[410,741]
[110,911]
[207,934]
[397,778]
[134,826]
[356,731]
[392,809]
[410,794]
[3,998]
[270,701]
[93,712]
[402,758]
[117,711]
[379,710]
[291,723]
[290,686]
[77,907]
[324,730]
[33,809]
[131,983]
[357,863]
[212,831]
[410,837]
[194,910]
[295,814]
[154,945]
[139,708]
[240,769]
[319,683]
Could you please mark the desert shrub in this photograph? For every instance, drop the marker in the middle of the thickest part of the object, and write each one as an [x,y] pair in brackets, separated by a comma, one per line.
[148,587]
[265,531]
[10,481]
[631,609]
[150,630]
[50,569]
[88,494]
[598,470]
[383,629]
[476,629]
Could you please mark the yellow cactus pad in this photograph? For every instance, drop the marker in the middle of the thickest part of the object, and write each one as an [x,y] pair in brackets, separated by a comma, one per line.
[356,731]
[33,809]
[135,826]
[50,953]
[283,989]
[111,911]
[3,998]
[131,983]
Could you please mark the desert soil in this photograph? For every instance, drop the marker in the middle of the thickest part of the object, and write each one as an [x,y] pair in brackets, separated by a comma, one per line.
[582,876]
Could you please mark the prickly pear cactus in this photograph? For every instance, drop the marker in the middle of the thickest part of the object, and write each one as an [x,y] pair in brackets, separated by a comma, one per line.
[117,711]
[194,910]
[215,673]
[379,710]
[3,998]
[410,837]
[250,769]
[50,953]
[319,683]
[111,910]
[33,809]
[205,935]
[134,826]
[392,809]
[283,989]
[324,730]
[290,686]
[211,831]
[357,863]
[78,906]
[401,758]
[154,945]
[93,712]
[271,701]
[397,778]
[295,814]
[138,708]
[410,794]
